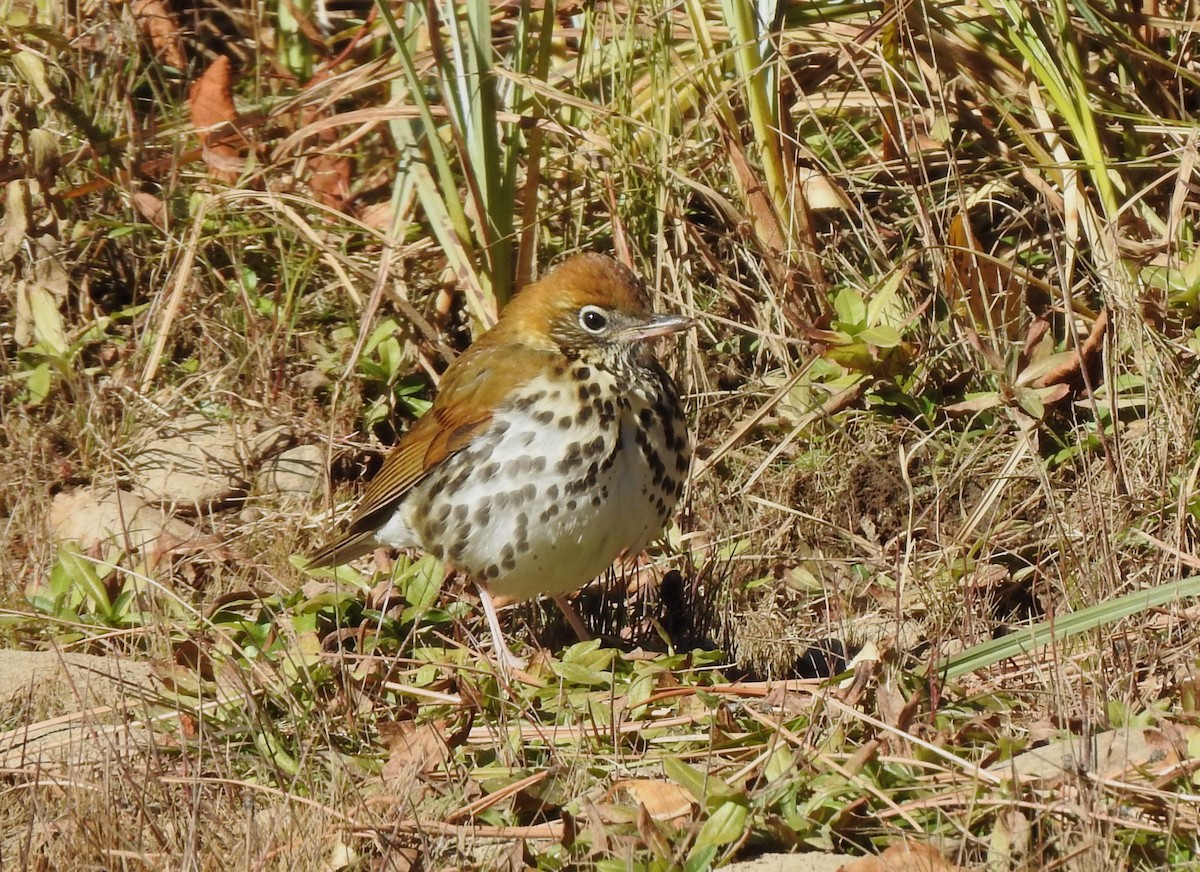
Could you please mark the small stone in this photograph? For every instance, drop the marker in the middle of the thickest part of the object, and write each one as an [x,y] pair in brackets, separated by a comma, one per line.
[103,517]
[298,471]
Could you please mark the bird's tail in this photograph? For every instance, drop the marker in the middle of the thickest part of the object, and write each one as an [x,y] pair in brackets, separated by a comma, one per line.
[343,549]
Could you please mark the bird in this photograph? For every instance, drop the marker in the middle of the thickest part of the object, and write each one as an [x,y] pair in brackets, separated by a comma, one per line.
[556,443]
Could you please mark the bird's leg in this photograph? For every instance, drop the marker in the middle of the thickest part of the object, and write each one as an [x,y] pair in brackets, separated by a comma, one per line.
[573,618]
[506,658]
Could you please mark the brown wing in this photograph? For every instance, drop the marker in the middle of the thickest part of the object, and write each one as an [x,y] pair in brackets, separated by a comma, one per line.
[470,391]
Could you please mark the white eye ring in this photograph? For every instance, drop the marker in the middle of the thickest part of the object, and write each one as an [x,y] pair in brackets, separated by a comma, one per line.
[592,319]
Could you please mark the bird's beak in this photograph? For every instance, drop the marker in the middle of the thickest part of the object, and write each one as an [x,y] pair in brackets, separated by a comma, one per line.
[658,325]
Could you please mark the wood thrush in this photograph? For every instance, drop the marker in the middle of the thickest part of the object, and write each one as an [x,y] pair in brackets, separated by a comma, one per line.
[555,444]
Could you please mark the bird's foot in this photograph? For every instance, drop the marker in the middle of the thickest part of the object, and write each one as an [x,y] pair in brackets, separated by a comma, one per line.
[508,661]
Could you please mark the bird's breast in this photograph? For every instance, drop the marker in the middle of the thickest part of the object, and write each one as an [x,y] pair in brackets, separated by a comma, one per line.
[573,470]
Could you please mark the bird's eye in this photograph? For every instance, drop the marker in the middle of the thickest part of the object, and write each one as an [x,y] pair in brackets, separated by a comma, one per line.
[592,319]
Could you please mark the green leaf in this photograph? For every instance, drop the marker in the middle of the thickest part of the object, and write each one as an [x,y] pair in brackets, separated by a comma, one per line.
[84,576]
[47,322]
[421,584]
[40,382]
[849,306]
[726,824]
[576,674]
[882,336]
[1031,403]
[691,780]
[700,859]
[1063,627]
[885,307]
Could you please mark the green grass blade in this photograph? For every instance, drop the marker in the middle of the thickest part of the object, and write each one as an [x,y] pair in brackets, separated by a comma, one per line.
[1066,626]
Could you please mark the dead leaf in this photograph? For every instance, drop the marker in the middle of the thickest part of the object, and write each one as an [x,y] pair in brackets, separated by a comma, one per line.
[1087,355]
[821,191]
[15,219]
[906,857]
[158,23]
[414,749]
[662,800]
[379,216]
[329,179]
[210,99]
[195,463]
[986,284]
[152,208]
[1138,752]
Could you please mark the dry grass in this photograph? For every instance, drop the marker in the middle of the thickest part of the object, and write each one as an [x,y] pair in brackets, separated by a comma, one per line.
[945,266]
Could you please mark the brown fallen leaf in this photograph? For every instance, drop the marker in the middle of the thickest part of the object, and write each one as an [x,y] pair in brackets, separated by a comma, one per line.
[152,208]
[160,26]
[414,749]
[1126,753]
[210,99]
[329,178]
[662,800]
[905,857]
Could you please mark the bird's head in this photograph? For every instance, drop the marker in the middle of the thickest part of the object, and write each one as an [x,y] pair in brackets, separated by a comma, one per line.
[592,308]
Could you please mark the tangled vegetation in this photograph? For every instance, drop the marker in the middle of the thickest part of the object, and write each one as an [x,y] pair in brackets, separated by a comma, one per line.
[930,595]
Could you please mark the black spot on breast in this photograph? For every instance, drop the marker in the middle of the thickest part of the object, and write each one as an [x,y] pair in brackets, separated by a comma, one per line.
[564,423]
[572,505]
[488,471]
[545,416]
[552,492]
[585,415]
[597,501]
[537,465]
[583,373]
[483,514]
[460,478]
[528,401]
[594,389]
[549,514]
[492,571]
[572,458]
[442,513]
[460,512]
